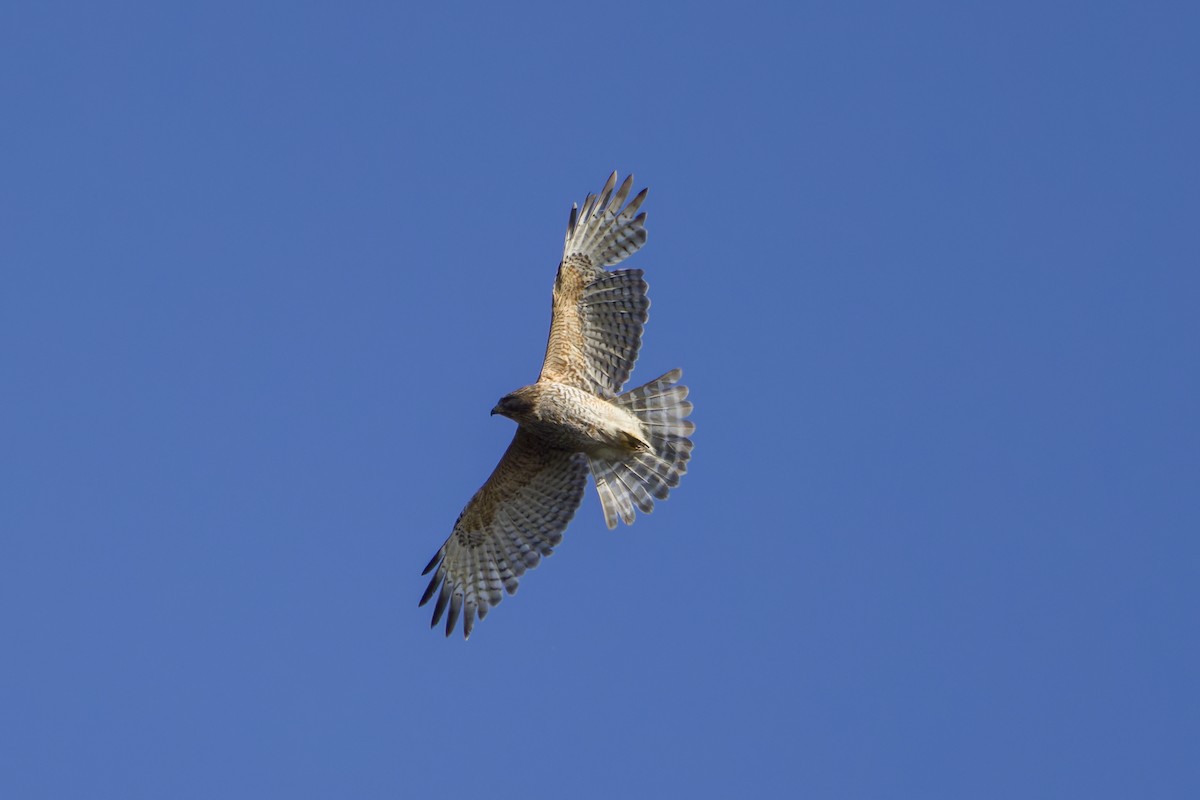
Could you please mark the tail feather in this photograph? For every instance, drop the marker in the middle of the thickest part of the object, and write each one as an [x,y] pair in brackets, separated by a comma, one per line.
[662,408]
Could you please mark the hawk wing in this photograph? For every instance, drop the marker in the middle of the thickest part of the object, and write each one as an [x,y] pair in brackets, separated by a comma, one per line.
[597,319]
[515,518]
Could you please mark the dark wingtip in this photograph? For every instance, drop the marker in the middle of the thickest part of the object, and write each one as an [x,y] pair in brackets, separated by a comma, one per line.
[430,589]
[455,610]
[433,562]
[468,622]
[440,606]
[573,219]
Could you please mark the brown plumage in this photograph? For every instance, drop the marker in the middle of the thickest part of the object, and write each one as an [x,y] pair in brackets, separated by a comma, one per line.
[573,420]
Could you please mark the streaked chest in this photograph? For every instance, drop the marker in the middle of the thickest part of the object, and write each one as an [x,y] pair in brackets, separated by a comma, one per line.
[577,420]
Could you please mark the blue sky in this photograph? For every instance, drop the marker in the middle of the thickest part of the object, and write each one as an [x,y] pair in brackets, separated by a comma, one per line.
[931,271]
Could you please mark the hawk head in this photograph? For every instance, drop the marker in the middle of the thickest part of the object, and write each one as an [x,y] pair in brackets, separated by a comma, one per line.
[513,406]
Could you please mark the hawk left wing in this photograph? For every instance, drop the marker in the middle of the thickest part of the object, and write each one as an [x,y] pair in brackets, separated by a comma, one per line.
[598,316]
[515,518]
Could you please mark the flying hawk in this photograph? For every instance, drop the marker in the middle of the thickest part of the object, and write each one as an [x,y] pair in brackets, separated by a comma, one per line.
[573,420]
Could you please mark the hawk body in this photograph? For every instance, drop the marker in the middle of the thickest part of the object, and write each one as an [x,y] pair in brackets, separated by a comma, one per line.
[572,421]
[575,420]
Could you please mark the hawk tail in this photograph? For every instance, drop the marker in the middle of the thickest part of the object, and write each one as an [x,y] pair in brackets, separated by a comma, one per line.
[662,407]
[603,231]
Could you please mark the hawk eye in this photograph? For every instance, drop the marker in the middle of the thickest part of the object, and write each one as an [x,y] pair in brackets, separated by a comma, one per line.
[517,405]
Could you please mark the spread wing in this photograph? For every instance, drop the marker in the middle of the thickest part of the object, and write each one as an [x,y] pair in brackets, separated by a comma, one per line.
[597,320]
[515,518]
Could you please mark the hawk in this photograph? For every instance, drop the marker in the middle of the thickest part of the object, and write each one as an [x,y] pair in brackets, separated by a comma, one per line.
[572,421]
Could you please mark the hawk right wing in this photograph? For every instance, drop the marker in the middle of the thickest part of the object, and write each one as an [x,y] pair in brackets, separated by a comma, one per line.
[515,518]
[598,316]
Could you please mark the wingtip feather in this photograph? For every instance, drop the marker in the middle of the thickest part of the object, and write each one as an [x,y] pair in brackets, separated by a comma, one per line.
[440,606]
[433,562]
[456,603]
[430,589]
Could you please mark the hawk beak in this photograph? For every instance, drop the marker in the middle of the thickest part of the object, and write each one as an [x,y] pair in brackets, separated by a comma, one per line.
[495,411]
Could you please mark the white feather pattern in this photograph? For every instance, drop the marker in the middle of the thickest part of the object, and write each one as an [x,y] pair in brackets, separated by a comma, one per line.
[662,408]
[515,519]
